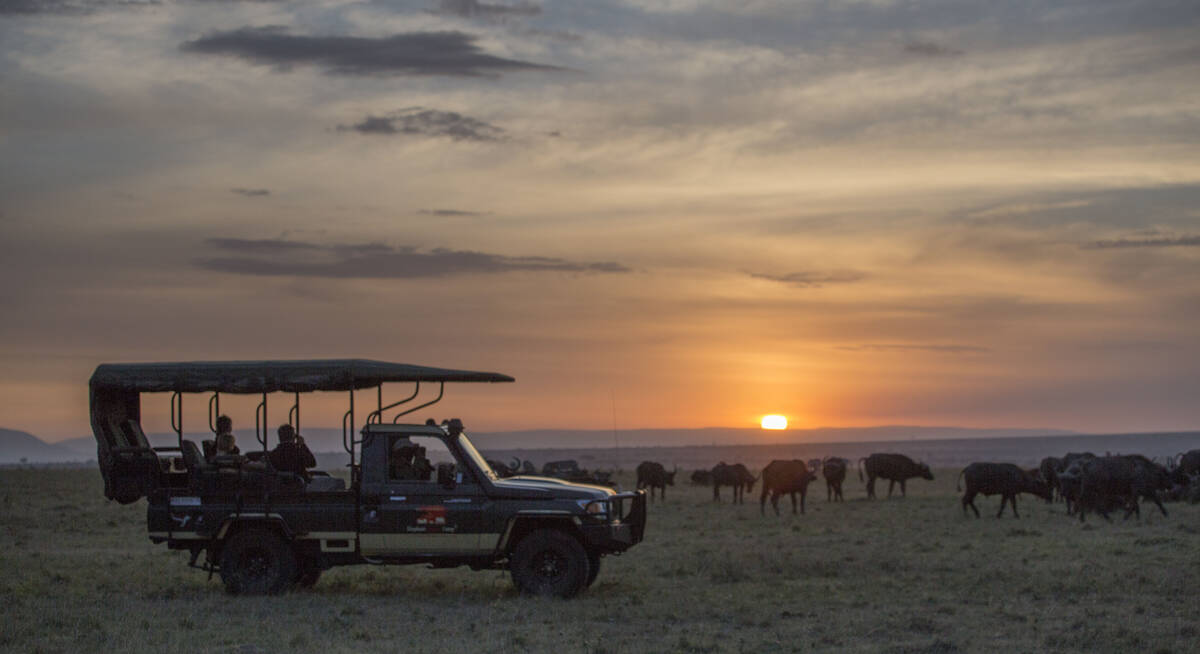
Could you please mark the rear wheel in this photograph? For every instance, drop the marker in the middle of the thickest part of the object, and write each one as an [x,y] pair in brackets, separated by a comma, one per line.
[549,562]
[257,562]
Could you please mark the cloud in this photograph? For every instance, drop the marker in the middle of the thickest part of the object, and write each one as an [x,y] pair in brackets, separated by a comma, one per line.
[812,279]
[1161,242]
[31,7]
[470,8]
[278,257]
[930,49]
[251,192]
[451,212]
[415,53]
[897,347]
[428,122]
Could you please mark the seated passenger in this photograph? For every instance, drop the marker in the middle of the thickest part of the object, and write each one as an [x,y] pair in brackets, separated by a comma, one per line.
[226,445]
[291,455]
[402,464]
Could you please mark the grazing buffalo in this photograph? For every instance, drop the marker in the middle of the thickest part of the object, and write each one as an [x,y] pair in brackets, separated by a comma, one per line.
[1003,479]
[1119,481]
[702,478]
[780,477]
[892,467]
[1049,471]
[1187,467]
[653,475]
[833,468]
[1070,481]
[737,476]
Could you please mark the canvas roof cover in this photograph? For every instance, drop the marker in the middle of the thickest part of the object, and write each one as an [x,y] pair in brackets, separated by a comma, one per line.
[295,376]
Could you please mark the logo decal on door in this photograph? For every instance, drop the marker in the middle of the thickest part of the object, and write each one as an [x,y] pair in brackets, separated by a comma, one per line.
[432,520]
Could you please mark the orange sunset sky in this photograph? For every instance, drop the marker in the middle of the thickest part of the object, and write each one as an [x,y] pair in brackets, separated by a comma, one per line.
[679,213]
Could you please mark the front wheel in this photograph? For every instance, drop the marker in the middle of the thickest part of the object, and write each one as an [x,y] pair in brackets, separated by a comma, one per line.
[257,562]
[549,562]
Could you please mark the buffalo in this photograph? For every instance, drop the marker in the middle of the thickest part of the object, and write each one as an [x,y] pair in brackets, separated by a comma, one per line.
[1049,471]
[1070,481]
[1115,481]
[892,467]
[737,476]
[1003,479]
[702,477]
[653,475]
[780,477]
[833,468]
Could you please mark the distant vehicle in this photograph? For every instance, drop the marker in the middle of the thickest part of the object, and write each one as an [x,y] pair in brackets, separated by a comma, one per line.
[265,531]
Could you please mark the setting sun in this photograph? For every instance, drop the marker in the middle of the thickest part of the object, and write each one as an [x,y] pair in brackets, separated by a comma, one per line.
[774,422]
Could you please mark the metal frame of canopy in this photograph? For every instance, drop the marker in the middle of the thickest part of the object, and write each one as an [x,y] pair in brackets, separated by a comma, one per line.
[116,388]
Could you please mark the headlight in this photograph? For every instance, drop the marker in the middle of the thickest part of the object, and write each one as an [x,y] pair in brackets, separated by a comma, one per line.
[594,507]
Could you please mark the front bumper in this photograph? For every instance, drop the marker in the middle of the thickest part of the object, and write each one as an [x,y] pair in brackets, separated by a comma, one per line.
[625,526]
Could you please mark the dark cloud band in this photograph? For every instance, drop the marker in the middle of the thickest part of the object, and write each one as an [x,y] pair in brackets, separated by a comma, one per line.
[1165,242]
[428,122]
[812,278]
[377,261]
[418,53]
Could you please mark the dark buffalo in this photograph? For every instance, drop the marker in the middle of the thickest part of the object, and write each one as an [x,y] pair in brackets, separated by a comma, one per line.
[780,477]
[737,476]
[892,467]
[1049,471]
[702,477]
[1187,467]
[1003,479]
[1119,481]
[653,475]
[567,467]
[833,468]
[1070,481]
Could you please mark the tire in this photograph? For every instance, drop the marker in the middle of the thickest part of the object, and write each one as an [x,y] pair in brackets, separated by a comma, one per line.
[257,561]
[307,572]
[593,568]
[549,562]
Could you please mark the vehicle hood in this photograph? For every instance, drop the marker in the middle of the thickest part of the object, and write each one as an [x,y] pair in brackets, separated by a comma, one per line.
[546,487]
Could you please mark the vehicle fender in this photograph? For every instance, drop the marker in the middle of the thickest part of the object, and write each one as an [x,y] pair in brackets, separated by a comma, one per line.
[235,523]
[525,522]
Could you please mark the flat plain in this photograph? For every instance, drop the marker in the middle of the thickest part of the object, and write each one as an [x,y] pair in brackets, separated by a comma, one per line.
[78,574]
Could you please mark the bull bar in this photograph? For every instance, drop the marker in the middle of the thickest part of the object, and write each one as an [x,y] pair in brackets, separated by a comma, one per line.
[631,520]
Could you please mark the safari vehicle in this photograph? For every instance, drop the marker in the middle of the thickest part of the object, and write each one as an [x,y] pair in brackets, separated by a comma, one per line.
[416,493]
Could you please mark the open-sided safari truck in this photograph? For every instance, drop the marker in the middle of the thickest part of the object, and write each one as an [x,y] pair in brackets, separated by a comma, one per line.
[416,493]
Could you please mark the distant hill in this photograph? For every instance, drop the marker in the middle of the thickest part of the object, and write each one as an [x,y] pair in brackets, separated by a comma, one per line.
[23,447]
[576,438]
[320,439]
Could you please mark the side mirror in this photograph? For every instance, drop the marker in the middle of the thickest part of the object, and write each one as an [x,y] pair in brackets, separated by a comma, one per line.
[445,475]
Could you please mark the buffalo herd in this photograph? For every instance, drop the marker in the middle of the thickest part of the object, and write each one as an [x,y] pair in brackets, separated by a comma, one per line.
[1083,482]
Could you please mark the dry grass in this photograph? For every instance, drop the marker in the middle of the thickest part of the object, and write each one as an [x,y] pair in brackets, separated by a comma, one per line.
[77,574]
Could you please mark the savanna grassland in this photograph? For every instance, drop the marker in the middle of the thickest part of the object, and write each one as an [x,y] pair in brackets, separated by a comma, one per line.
[77,574]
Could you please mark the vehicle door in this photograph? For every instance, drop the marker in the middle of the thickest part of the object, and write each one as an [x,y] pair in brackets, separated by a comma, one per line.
[414,514]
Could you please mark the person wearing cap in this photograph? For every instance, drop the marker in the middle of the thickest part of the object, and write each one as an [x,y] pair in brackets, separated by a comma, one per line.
[291,455]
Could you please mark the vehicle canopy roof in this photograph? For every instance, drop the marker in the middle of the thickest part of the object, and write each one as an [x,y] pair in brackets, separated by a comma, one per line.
[295,376]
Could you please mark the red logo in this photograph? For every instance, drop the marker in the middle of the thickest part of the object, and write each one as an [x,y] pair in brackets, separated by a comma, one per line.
[432,516]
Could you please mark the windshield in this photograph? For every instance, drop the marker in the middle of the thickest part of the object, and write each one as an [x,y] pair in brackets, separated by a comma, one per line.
[473,454]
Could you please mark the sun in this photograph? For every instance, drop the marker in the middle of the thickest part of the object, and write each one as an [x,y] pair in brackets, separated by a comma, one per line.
[774,422]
